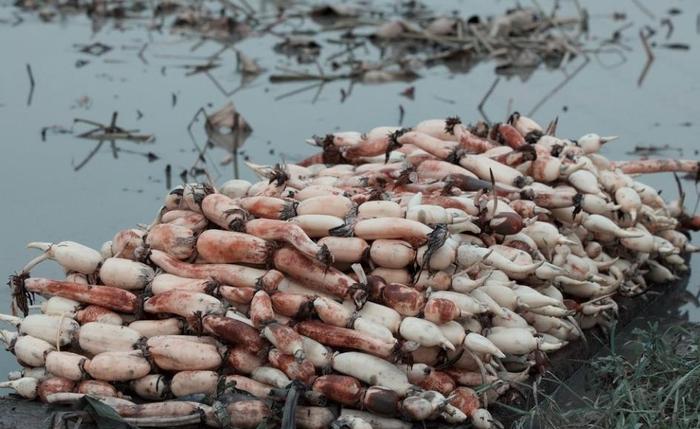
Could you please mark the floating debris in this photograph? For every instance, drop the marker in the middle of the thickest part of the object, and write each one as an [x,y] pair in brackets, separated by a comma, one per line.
[650,150]
[112,132]
[409,92]
[31,85]
[246,65]
[226,128]
[96,49]
[379,43]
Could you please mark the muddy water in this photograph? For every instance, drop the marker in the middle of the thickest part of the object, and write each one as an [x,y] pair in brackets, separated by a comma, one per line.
[44,198]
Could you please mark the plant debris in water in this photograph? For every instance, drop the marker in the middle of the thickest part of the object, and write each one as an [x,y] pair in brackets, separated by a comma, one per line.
[358,42]
[366,42]
[373,42]
[112,132]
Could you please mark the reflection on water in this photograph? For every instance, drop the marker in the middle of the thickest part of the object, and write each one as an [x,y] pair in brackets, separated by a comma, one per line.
[166,84]
[228,130]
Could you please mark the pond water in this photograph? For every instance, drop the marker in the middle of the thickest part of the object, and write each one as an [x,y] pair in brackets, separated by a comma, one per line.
[147,78]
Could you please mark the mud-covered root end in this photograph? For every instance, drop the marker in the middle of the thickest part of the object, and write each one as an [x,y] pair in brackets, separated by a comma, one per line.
[325,256]
[436,239]
[522,181]
[269,281]
[142,345]
[404,354]
[406,176]
[454,156]
[450,123]
[21,297]
[306,310]
[197,192]
[447,188]
[578,204]
[238,224]
[345,230]
[289,210]
[331,153]
[359,294]
[513,118]
[279,175]
[299,355]
[196,322]
[400,354]
[528,151]
[394,142]
[213,288]
[533,136]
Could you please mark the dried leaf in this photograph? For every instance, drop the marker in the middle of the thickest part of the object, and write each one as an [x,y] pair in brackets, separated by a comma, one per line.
[226,128]
[247,65]
[105,417]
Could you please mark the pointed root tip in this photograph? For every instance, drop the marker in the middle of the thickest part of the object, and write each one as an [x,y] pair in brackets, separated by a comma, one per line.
[253,166]
[552,127]
[691,248]
[41,245]
[10,318]
[262,171]
[448,346]
[628,234]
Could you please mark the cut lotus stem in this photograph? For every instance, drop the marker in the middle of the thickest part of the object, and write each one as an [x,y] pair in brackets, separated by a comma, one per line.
[69,254]
[224,212]
[657,166]
[225,247]
[373,370]
[271,229]
[316,275]
[25,387]
[104,296]
[227,274]
[346,338]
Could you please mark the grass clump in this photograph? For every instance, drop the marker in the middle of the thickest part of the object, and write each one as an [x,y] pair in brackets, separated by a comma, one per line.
[650,381]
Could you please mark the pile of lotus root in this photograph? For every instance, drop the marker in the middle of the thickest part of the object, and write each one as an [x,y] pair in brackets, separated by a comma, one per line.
[400,276]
